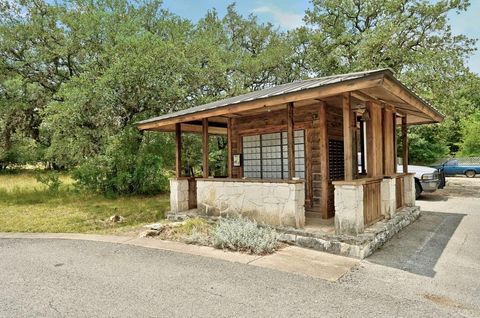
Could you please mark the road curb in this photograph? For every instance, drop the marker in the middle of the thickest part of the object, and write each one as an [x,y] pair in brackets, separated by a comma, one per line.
[292,259]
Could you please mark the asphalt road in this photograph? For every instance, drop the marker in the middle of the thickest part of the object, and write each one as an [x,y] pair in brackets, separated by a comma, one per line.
[431,269]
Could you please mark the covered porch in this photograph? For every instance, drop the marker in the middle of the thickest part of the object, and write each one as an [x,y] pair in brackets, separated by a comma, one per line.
[319,151]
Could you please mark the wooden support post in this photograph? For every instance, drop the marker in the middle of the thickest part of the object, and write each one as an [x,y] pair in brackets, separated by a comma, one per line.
[291,142]
[178,150]
[205,147]
[395,163]
[362,147]
[388,141]
[324,169]
[229,148]
[347,137]
[374,140]
[405,144]
[355,146]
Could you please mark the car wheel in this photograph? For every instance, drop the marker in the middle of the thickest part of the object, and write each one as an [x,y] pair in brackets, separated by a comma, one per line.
[418,190]
[443,181]
[470,174]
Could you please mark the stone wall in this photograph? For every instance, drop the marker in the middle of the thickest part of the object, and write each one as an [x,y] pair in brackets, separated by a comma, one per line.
[360,246]
[389,197]
[409,189]
[178,195]
[279,204]
[349,209]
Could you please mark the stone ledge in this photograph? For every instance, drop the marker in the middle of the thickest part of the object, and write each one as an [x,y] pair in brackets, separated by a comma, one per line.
[359,246]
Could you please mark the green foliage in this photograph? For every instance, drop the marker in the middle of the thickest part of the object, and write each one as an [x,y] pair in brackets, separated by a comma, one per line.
[76,75]
[470,146]
[425,145]
[411,37]
[244,235]
[51,180]
[132,163]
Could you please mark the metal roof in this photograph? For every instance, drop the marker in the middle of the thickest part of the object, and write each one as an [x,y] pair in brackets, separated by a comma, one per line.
[269,92]
[282,90]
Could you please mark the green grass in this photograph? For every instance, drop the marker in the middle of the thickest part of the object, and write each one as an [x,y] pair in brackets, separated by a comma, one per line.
[28,206]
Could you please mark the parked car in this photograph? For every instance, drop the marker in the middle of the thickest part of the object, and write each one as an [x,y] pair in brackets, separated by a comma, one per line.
[427,179]
[452,167]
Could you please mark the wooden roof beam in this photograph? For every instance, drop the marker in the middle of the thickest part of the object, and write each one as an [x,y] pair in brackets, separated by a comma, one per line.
[319,92]
[397,89]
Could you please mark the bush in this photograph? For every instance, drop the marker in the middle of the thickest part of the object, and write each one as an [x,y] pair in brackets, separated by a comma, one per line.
[132,164]
[51,180]
[197,237]
[470,145]
[244,235]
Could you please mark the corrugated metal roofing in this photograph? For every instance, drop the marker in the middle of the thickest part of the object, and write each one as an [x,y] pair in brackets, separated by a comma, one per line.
[271,92]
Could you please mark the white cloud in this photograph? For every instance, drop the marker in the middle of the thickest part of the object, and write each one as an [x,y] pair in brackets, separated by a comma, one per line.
[286,20]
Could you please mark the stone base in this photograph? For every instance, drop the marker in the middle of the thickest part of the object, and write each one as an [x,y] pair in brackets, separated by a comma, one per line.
[358,246]
[349,209]
[271,203]
[178,195]
[389,197]
[409,189]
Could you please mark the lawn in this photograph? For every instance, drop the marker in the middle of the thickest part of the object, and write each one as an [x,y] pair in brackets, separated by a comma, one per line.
[28,206]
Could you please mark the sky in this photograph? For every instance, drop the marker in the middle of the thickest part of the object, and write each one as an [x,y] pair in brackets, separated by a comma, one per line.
[288,14]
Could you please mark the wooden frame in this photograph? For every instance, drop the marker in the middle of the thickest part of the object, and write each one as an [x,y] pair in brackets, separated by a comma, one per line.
[405,144]
[325,113]
[324,164]
[229,148]
[388,141]
[290,142]
[178,150]
[206,169]
[374,140]
[347,136]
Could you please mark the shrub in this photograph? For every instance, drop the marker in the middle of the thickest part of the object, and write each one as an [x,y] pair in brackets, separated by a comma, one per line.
[51,180]
[132,164]
[244,235]
[197,237]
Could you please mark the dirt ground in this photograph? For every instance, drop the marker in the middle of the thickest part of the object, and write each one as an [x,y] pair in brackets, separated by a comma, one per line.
[455,187]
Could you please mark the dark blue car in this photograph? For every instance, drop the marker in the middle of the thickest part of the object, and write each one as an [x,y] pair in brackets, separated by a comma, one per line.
[453,167]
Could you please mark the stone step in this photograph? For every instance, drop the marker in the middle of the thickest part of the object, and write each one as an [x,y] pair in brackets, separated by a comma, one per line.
[312,214]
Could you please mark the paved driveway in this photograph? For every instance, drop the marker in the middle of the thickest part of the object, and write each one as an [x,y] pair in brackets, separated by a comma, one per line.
[436,258]
[431,269]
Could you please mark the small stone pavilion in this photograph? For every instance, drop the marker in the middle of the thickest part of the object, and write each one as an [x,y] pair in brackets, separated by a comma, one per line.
[322,148]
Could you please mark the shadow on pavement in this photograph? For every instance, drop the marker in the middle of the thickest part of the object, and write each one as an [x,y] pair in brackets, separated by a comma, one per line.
[418,247]
[432,197]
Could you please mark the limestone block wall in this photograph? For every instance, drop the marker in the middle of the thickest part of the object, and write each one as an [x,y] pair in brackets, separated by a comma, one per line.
[409,189]
[178,195]
[349,209]
[278,204]
[389,197]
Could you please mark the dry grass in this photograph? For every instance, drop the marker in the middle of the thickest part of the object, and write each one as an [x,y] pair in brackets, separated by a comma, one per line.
[28,206]
[184,231]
